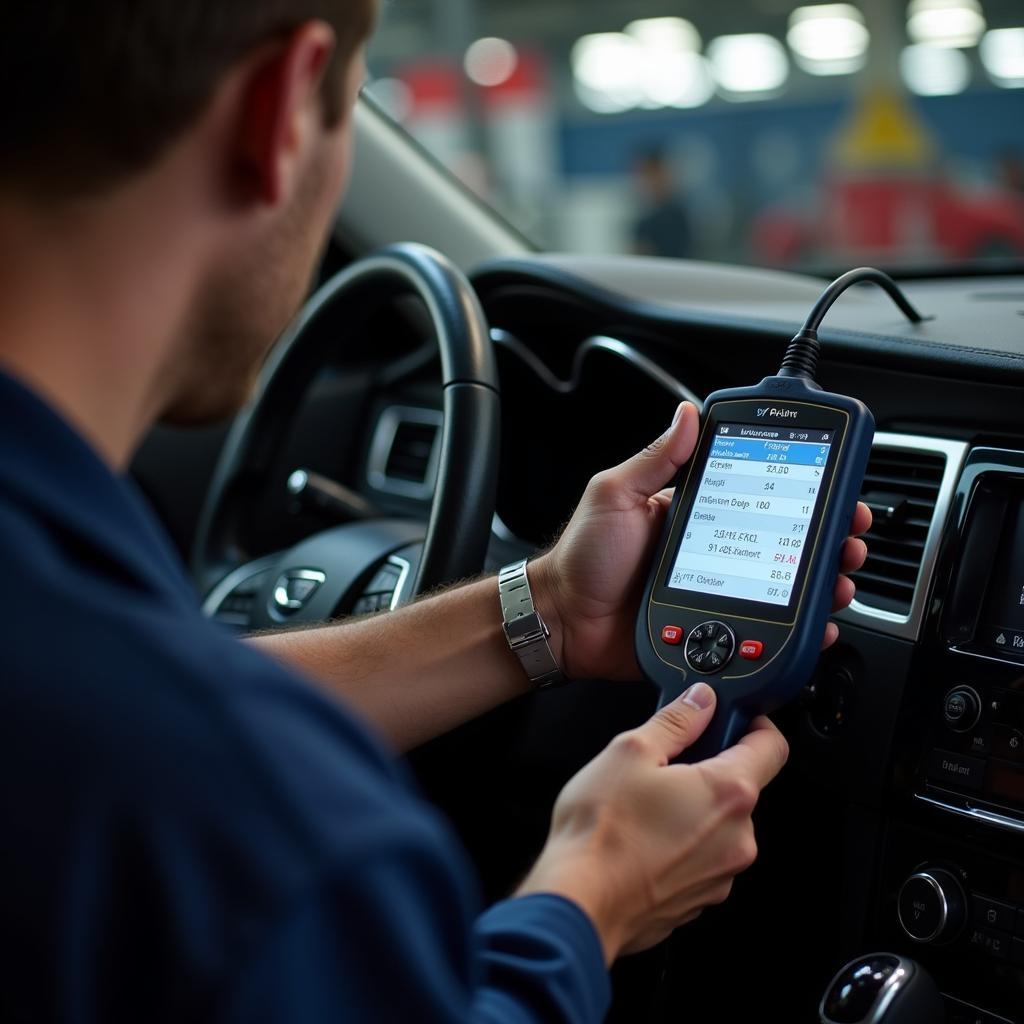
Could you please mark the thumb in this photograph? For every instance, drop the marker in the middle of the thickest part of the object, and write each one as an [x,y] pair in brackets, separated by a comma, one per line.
[678,724]
[649,471]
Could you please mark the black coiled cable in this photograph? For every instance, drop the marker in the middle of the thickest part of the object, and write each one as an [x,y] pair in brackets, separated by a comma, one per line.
[801,359]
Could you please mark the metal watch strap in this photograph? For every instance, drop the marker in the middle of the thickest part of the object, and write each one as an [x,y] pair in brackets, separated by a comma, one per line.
[525,629]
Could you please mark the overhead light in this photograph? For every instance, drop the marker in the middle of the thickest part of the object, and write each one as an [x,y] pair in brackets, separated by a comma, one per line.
[956,23]
[675,80]
[619,71]
[393,95]
[1002,54]
[607,68]
[934,70]
[747,65]
[675,35]
[490,61]
[828,39]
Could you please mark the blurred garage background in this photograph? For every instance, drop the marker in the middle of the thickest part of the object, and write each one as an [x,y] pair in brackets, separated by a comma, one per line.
[750,131]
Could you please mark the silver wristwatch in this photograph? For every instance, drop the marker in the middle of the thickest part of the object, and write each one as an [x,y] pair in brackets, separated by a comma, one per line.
[525,629]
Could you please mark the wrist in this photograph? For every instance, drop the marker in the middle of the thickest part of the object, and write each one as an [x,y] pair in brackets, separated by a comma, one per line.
[582,884]
[544,588]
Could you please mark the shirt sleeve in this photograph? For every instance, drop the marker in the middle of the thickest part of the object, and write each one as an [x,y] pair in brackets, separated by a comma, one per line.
[389,940]
[542,961]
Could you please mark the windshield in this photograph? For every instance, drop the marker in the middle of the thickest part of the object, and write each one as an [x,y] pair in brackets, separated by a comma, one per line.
[748,131]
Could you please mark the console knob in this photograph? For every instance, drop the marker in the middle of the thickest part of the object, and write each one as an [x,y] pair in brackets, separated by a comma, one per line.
[961,708]
[932,905]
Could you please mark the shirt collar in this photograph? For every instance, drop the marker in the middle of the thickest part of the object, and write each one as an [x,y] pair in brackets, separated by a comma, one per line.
[50,470]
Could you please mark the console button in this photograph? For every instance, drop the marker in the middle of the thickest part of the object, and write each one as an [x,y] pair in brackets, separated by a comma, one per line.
[1008,742]
[996,944]
[979,741]
[955,769]
[1019,930]
[672,635]
[1017,952]
[962,708]
[992,913]
[751,649]
[930,906]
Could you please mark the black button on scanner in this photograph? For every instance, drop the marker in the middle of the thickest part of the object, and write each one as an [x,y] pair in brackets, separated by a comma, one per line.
[710,646]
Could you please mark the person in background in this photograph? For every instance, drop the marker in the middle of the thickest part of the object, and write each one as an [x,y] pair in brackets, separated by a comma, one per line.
[663,228]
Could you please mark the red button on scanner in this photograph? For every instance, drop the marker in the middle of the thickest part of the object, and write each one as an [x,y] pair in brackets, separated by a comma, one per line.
[671,634]
[751,649]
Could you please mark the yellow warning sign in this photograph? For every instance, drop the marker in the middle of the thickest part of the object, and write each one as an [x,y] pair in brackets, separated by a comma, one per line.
[883,131]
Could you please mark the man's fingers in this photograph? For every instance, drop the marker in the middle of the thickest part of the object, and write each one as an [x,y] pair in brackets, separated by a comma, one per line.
[831,635]
[855,551]
[649,471]
[759,756]
[861,519]
[675,726]
[843,594]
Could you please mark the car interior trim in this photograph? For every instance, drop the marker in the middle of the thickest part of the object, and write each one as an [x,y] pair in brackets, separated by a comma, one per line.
[908,627]
[215,598]
[384,434]
[603,343]
[979,815]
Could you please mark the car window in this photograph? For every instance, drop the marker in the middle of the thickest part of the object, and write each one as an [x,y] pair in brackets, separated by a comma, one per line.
[750,131]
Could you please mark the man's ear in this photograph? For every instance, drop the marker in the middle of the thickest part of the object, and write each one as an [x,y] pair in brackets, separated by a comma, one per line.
[281,111]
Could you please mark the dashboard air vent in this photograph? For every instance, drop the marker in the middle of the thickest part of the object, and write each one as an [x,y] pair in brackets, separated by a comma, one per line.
[901,489]
[411,449]
[909,487]
[405,451]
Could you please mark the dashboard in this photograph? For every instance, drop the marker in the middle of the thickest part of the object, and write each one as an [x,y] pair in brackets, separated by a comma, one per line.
[899,823]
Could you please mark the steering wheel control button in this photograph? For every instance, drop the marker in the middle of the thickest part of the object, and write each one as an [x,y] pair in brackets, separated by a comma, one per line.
[672,635]
[962,709]
[710,646]
[958,770]
[385,581]
[930,906]
[294,588]
[751,649]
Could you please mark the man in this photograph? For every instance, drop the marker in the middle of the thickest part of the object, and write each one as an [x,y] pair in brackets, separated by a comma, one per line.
[198,829]
[663,227]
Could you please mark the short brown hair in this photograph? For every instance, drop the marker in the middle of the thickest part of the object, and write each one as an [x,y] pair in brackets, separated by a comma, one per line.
[95,89]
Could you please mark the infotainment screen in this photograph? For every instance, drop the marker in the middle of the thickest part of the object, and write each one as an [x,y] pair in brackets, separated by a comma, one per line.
[746,533]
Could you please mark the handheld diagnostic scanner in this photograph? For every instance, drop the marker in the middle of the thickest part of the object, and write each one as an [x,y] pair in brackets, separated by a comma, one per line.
[741,584]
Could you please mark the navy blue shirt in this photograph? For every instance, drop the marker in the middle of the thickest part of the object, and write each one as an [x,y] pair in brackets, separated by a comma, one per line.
[192,833]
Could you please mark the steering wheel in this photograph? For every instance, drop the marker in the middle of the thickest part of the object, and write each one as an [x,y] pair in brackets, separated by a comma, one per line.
[311,580]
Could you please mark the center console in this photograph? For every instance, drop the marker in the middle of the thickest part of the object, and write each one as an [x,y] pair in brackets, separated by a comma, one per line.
[951,890]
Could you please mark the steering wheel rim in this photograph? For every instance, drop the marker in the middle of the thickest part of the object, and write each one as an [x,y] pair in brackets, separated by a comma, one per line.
[459,527]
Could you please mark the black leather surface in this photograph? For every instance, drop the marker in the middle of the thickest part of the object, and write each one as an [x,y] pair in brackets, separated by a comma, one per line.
[468,469]
[977,328]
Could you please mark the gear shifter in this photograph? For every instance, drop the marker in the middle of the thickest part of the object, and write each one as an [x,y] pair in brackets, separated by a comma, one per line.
[882,988]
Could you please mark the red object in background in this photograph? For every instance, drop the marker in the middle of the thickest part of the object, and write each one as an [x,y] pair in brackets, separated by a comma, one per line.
[438,84]
[891,216]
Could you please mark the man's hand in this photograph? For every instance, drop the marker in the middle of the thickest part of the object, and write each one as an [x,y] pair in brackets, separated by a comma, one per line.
[643,845]
[594,576]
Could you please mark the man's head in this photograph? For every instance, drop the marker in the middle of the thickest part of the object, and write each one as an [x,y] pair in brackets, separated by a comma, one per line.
[235,111]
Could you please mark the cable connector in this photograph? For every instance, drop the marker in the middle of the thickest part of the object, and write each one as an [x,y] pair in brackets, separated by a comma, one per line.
[801,358]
